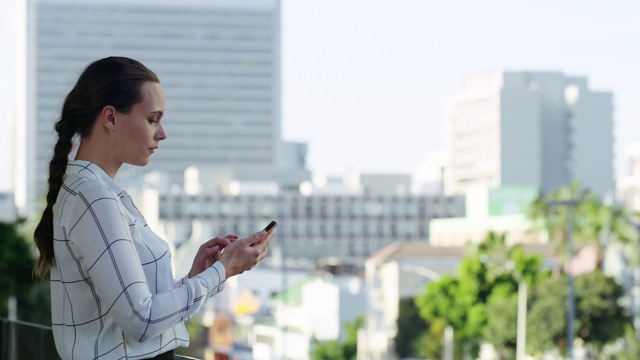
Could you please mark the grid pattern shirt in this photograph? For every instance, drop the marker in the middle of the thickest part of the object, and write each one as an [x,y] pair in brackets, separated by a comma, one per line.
[113,294]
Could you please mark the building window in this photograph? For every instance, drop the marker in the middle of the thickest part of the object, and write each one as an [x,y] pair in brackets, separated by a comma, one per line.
[309,210]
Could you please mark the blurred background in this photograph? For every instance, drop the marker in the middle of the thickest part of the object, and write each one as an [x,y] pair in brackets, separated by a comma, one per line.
[454,180]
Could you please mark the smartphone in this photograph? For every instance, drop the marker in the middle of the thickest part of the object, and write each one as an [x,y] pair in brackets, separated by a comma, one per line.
[271,226]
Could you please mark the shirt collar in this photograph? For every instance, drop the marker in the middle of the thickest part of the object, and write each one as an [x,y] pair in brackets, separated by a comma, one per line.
[91,170]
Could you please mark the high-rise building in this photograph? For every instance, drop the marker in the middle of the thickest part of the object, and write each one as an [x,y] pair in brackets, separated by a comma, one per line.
[8,211]
[530,128]
[218,62]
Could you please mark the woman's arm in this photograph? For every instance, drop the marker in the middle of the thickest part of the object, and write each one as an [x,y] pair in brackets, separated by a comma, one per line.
[100,230]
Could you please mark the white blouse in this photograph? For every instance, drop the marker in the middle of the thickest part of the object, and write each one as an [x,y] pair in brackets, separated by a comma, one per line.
[113,294]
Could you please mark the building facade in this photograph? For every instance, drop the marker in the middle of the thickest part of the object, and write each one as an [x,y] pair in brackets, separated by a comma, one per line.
[530,128]
[398,271]
[314,309]
[218,62]
[628,186]
[310,227]
[344,220]
[8,211]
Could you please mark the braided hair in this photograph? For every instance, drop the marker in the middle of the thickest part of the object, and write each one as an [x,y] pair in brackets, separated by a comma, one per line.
[114,81]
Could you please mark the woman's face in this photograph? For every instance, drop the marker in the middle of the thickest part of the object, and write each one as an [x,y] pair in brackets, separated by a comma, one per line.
[139,132]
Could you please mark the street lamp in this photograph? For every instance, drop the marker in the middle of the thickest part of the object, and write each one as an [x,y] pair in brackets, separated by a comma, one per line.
[634,296]
[521,322]
[570,204]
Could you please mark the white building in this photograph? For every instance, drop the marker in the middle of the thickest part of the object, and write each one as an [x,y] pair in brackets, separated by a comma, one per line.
[530,128]
[628,186]
[315,308]
[8,211]
[399,270]
[501,210]
[218,62]
[348,221]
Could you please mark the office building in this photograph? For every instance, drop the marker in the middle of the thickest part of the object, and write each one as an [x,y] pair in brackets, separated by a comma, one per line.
[316,221]
[8,211]
[218,62]
[530,128]
[628,186]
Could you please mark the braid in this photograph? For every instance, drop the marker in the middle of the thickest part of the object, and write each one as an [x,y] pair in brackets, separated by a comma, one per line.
[43,234]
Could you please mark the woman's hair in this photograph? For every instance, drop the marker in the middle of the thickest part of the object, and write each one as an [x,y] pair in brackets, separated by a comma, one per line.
[114,81]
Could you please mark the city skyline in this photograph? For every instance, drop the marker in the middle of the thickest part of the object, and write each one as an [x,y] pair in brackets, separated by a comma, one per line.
[366,88]
[218,61]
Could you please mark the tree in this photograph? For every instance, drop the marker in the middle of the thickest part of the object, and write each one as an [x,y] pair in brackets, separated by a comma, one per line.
[350,345]
[486,277]
[412,338]
[501,326]
[600,319]
[594,223]
[334,350]
[16,263]
[327,350]
[502,312]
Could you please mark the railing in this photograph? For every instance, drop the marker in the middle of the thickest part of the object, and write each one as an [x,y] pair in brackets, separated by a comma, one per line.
[23,340]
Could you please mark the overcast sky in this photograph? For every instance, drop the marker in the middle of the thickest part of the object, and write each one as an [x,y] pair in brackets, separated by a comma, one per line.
[365,81]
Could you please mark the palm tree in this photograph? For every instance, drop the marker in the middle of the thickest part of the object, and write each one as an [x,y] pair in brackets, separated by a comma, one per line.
[594,222]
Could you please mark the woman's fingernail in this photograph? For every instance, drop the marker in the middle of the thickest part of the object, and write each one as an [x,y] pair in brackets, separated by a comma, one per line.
[262,234]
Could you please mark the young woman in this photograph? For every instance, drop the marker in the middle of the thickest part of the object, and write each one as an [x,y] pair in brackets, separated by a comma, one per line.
[113,295]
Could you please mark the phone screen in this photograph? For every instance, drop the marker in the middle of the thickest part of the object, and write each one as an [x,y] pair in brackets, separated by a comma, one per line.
[271,226]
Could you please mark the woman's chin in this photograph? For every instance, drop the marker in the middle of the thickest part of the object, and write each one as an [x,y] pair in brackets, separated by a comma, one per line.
[139,162]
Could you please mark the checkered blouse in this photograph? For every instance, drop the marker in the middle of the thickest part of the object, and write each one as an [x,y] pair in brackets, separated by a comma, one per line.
[113,294]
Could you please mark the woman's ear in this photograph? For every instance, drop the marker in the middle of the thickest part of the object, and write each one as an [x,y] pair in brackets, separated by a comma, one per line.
[108,118]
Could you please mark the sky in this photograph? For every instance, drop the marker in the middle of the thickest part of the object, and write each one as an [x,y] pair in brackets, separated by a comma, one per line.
[365,82]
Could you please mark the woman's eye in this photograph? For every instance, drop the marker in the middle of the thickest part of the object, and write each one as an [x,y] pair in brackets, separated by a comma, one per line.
[151,121]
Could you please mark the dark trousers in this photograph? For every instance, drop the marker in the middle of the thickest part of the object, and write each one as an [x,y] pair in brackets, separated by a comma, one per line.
[165,356]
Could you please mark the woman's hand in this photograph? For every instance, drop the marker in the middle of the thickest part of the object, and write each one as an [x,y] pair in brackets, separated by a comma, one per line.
[209,253]
[243,254]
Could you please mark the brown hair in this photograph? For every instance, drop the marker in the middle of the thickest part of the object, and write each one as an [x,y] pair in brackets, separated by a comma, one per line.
[114,81]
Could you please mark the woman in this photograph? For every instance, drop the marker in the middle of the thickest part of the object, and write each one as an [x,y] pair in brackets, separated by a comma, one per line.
[113,295]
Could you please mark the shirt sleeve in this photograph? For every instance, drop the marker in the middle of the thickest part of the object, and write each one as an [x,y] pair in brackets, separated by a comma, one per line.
[180,281]
[100,231]
[220,270]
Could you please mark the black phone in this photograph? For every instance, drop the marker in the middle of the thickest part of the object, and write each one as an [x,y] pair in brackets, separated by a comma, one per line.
[271,226]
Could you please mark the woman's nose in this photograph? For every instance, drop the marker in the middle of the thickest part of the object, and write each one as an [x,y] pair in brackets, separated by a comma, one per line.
[161,134]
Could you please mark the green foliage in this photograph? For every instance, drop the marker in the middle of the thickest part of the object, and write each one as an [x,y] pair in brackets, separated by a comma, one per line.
[328,350]
[593,221]
[627,348]
[334,350]
[35,305]
[350,345]
[500,330]
[16,263]
[417,338]
[486,278]
[600,319]
[412,332]
[480,301]
[546,315]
